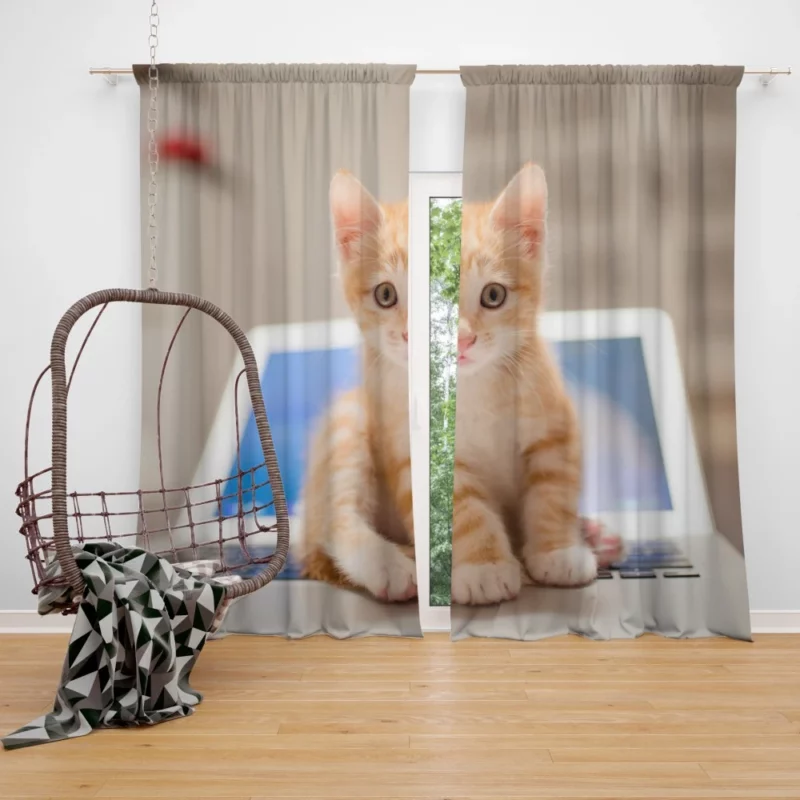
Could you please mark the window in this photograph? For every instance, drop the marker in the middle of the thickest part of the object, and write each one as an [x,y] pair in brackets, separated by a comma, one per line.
[435,249]
[445,254]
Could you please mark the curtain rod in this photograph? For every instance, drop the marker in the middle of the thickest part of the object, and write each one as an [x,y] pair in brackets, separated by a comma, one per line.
[747,71]
[766,74]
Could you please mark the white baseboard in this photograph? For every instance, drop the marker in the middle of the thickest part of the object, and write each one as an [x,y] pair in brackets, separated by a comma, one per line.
[31,622]
[775,621]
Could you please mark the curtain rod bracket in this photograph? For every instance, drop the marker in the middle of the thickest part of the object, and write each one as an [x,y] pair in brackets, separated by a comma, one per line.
[766,78]
[110,75]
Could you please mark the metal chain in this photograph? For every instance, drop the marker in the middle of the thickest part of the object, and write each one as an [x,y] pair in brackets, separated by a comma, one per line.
[152,124]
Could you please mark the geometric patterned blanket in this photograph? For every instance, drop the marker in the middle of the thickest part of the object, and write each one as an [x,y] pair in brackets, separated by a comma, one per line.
[138,632]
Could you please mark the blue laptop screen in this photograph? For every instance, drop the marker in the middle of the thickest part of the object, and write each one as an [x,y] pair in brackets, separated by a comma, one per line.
[297,386]
[623,464]
[623,467]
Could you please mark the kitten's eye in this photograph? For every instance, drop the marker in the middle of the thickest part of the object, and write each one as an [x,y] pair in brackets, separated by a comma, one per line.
[493,295]
[385,295]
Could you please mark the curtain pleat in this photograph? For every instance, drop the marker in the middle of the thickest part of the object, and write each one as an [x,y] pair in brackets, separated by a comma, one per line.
[635,266]
[249,227]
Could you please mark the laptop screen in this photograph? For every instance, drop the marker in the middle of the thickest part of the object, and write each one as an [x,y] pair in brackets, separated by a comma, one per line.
[623,464]
[297,386]
[623,468]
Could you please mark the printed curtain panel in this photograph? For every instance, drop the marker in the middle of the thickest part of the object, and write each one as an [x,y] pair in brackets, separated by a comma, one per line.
[595,483]
[283,199]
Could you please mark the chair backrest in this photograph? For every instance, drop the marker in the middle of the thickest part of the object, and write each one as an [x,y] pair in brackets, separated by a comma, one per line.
[61,537]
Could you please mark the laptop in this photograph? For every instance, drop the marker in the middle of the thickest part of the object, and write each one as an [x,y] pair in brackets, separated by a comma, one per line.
[303,367]
[642,474]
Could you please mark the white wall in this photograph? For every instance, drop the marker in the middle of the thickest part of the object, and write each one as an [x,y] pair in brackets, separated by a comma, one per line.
[69,208]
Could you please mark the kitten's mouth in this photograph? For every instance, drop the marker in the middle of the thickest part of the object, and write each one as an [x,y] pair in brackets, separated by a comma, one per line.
[469,365]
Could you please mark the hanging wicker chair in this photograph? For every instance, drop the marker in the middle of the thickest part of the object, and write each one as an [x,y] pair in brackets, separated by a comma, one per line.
[200,522]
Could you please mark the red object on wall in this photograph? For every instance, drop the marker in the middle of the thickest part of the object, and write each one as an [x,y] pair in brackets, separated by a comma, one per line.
[184,148]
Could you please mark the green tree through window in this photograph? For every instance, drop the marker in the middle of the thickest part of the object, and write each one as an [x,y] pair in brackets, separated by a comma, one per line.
[445,256]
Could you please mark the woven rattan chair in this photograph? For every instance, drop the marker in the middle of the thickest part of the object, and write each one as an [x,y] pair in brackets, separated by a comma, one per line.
[53,519]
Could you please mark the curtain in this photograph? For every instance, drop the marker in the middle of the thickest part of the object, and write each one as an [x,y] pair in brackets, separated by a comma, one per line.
[595,483]
[282,198]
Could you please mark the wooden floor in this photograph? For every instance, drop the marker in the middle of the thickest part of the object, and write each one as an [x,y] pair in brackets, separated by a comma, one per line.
[390,718]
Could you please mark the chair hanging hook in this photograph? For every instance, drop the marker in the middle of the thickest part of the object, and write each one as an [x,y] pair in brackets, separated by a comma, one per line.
[152,155]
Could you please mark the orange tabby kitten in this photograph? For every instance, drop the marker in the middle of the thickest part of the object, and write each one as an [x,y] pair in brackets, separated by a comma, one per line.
[518,452]
[356,525]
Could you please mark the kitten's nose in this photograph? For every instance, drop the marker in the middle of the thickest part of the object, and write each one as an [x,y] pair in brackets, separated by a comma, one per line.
[405,336]
[465,341]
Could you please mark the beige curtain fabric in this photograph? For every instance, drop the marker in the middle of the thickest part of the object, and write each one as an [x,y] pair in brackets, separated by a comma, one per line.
[253,235]
[640,169]
[251,231]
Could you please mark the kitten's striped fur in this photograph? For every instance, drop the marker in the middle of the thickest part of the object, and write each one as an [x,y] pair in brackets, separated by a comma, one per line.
[518,456]
[356,525]
[518,453]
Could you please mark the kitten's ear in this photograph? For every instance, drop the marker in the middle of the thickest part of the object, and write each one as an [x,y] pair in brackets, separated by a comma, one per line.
[523,207]
[356,213]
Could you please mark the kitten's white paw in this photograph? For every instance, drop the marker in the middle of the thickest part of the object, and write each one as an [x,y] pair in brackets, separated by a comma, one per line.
[608,548]
[484,584]
[568,566]
[396,577]
[383,569]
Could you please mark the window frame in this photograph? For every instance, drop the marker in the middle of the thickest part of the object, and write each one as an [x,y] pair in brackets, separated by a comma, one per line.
[423,187]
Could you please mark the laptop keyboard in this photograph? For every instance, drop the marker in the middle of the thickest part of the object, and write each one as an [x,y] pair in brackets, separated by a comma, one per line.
[234,556]
[650,559]
[645,560]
